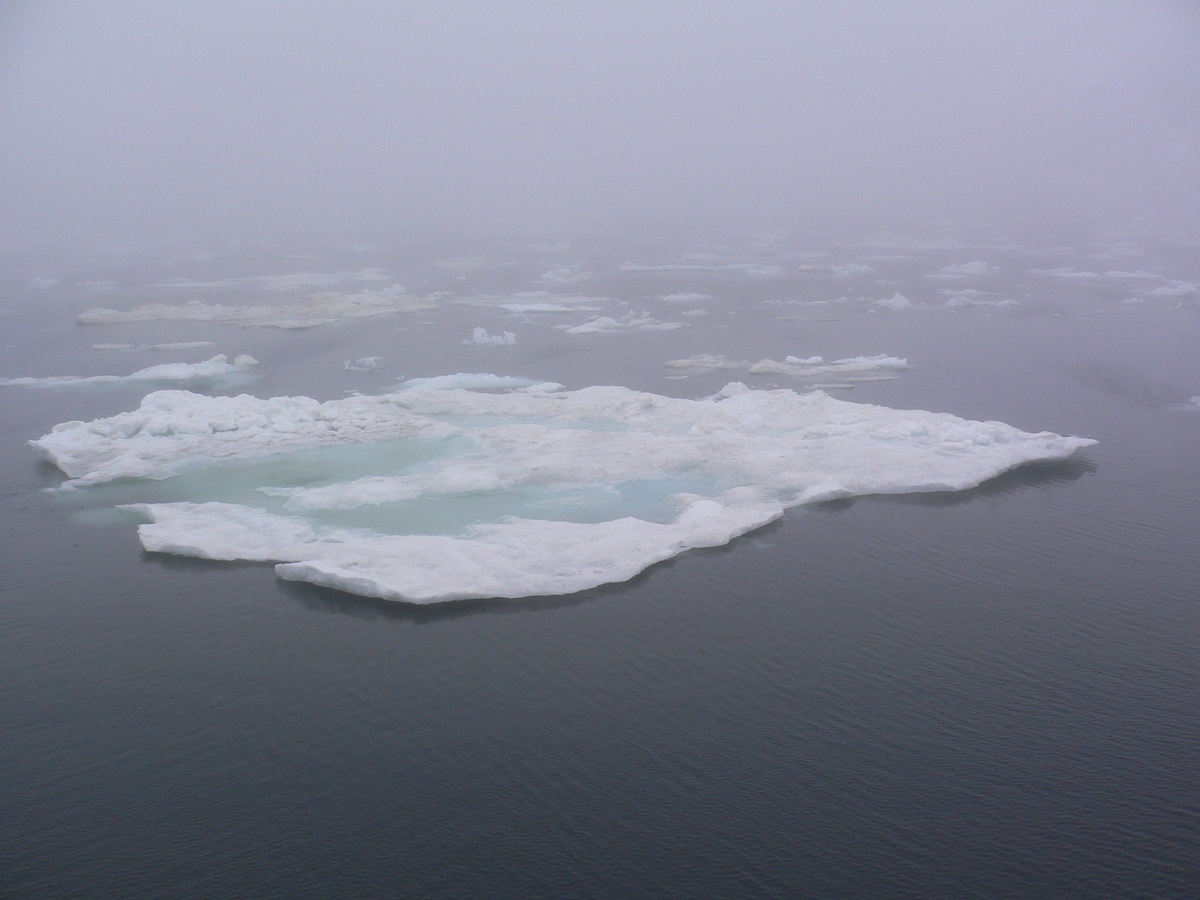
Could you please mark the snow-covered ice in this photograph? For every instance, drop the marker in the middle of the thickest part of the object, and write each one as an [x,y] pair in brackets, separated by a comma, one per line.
[530,490]
[897,301]
[481,337]
[629,322]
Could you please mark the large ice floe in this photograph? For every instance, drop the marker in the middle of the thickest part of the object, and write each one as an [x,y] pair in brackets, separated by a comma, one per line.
[435,492]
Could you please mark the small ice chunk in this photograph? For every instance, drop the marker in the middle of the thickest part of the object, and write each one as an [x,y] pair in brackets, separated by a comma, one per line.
[481,337]
[896,301]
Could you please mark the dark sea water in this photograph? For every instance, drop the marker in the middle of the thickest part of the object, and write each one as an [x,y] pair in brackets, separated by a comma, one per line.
[994,693]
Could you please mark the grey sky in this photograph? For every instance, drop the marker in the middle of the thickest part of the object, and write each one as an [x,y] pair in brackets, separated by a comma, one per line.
[145,119]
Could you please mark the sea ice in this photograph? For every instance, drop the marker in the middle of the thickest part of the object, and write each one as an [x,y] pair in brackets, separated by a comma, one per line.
[743,268]
[860,366]
[963,270]
[481,337]
[556,491]
[628,322]
[216,367]
[323,308]
[897,301]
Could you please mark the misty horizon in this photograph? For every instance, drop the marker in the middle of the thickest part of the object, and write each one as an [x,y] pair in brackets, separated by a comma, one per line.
[144,122]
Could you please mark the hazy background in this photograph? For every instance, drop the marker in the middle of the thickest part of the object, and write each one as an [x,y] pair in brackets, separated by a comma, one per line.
[149,121]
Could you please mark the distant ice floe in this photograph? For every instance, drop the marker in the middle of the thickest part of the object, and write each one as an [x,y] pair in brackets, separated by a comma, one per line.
[462,262]
[537,302]
[1175,289]
[965,270]
[565,275]
[972,297]
[481,337]
[1065,272]
[457,494]
[686,298]
[293,282]
[743,268]
[854,367]
[216,367]
[325,308]
[363,364]
[629,322]
[897,302]
[842,271]
[173,345]
[477,381]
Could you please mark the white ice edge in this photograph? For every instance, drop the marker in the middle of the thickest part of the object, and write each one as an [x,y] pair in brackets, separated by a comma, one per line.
[759,452]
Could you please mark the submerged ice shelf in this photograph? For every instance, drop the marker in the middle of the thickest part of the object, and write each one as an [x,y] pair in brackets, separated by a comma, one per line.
[553,491]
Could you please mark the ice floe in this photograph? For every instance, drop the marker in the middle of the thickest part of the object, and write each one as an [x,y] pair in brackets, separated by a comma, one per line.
[537,302]
[480,336]
[743,268]
[565,275]
[292,282]
[686,298]
[629,322]
[323,308]
[363,364]
[525,492]
[897,302]
[881,365]
[964,270]
[217,367]
[172,345]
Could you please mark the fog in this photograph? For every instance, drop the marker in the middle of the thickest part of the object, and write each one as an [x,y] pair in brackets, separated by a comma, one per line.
[148,121]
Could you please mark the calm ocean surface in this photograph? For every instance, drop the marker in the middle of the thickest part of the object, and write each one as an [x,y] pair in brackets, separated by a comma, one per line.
[994,693]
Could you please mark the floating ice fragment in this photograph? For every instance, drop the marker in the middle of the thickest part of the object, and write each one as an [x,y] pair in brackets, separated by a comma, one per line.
[565,275]
[212,368]
[477,381]
[962,270]
[480,336]
[896,301]
[794,365]
[628,322]
[686,298]
[318,309]
[363,364]
[744,268]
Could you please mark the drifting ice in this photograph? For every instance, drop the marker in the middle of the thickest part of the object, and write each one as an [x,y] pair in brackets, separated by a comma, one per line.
[216,367]
[556,491]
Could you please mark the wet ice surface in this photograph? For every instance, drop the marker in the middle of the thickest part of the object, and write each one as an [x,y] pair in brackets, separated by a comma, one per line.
[577,434]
